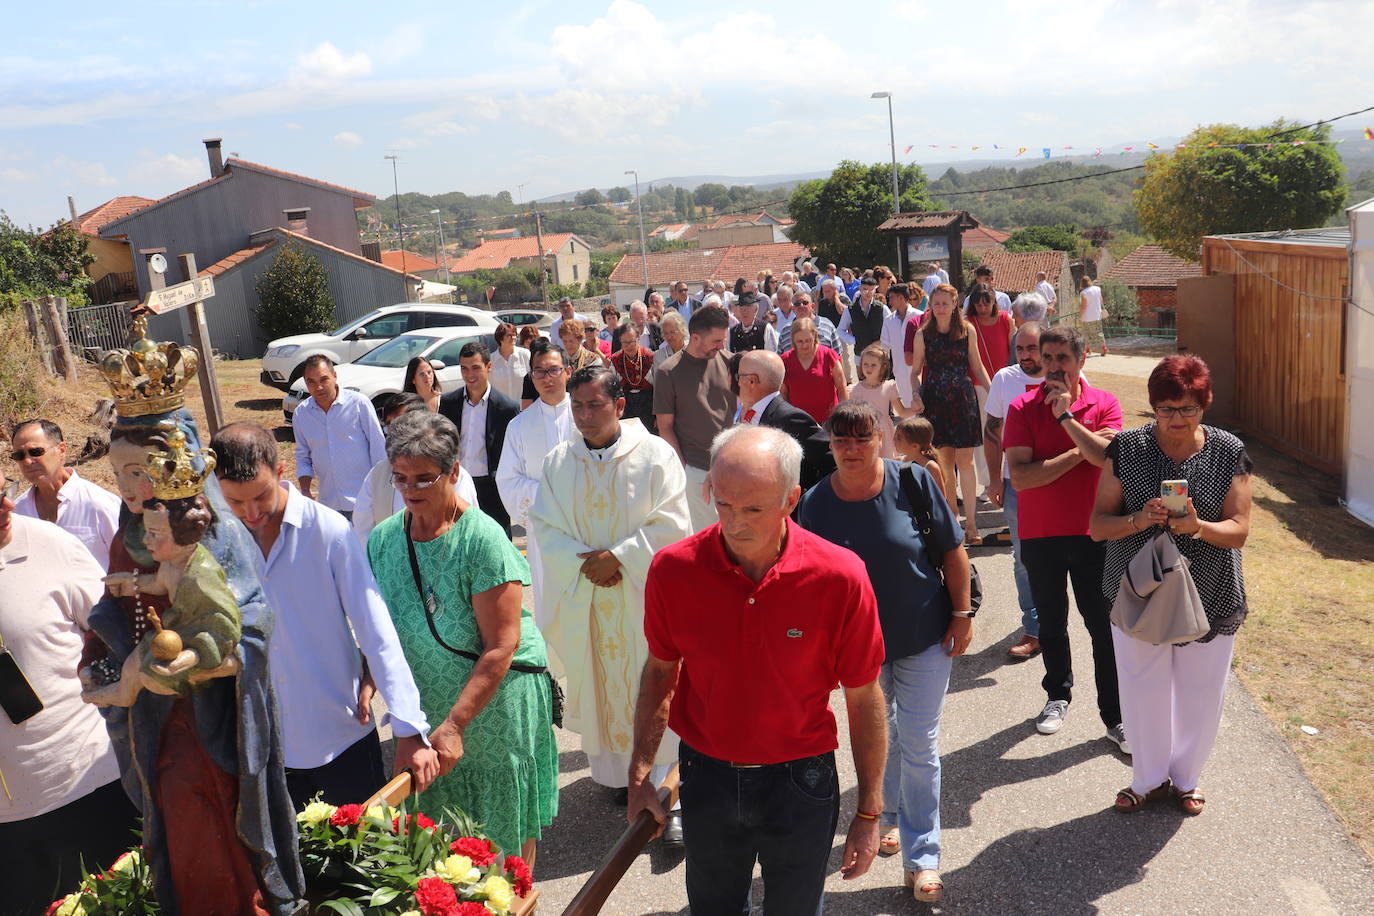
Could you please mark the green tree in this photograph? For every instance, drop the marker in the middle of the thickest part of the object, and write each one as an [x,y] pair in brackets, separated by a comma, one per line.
[680,203]
[618,195]
[589,197]
[50,263]
[1045,238]
[837,217]
[1119,302]
[712,195]
[1216,186]
[293,295]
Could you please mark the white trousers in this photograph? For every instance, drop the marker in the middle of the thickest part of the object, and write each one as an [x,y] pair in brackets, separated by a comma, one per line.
[1171,699]
[613,770]
[701,513]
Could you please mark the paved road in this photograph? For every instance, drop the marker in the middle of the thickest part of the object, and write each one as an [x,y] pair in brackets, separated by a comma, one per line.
[1027,822]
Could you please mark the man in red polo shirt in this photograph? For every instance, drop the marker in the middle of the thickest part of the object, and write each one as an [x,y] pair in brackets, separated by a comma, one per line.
[751,623]
[1055,439]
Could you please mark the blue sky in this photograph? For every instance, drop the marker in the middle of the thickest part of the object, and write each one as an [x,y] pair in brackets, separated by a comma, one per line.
[481,97]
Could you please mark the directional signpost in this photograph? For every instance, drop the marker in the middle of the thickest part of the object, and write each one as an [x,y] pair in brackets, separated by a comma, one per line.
[163,299]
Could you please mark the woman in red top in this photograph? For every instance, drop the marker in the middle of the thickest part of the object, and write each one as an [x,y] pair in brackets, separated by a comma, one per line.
[813,375]
[995,329]
[633,363]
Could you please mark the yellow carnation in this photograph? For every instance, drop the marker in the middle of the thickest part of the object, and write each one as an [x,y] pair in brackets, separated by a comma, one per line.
[411,913]
[458,870]
[127,863]
[315,813]
[71,906]
[499,893]
[384,813]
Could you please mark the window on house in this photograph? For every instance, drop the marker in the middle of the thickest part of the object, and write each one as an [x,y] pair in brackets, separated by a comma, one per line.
[574,271]
[572,246]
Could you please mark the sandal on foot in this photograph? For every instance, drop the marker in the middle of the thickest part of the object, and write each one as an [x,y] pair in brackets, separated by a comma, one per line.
[890,843]
[1191,802]
[1128,800]
[972,538]
[926,885]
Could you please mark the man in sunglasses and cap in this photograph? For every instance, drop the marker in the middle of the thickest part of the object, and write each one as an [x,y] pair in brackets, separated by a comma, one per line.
[57,493]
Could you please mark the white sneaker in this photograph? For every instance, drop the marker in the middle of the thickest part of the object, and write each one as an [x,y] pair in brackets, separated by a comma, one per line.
[1117,735]
[1052,717]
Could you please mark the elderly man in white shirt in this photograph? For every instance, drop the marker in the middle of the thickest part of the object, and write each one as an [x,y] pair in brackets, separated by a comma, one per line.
[1043,287]
[58,494]
[566,312]
[529,439]
[333,637]
[63,811]
[338,438]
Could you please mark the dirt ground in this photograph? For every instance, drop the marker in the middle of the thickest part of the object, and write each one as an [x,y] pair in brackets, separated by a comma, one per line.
[1306,652]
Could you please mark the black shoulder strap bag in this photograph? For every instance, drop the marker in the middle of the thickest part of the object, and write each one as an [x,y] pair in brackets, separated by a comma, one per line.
[925,524]
[427,602]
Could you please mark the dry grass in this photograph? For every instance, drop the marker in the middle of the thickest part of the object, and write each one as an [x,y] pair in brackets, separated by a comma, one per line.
[1306,651]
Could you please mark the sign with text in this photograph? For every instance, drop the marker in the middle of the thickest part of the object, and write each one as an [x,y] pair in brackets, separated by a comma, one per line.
[927,248]
[162,301]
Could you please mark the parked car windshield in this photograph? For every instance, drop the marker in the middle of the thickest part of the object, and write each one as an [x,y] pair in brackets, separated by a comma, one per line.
[344,329]
[395,353]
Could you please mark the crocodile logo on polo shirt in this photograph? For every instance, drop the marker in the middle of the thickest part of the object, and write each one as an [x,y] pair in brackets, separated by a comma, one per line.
[794,633]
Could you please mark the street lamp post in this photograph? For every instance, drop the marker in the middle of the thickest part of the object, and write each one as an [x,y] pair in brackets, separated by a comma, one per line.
[400,231]
[643,246]
[896,194]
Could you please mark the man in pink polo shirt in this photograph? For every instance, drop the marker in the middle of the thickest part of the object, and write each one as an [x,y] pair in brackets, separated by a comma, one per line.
[1055,439]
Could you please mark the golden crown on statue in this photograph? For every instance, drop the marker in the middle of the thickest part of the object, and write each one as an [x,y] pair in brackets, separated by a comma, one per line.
[148,378]
[173,472]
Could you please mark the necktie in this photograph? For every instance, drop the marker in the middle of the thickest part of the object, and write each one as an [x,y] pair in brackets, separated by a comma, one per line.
[749,415]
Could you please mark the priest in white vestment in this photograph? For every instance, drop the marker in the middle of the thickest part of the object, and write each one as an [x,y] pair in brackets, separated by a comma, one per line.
[610,499]
[529,439]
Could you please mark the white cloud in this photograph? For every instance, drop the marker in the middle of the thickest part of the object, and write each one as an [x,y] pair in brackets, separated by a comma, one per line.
[482,106]
[150,168]
[17,176]
[292,125]
[81,172]
[585,116]
[448,129]
[348,138]
[326,65]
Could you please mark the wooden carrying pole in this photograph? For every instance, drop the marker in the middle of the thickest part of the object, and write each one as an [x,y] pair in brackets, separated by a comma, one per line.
[62,361]
[594,894]
[205,369]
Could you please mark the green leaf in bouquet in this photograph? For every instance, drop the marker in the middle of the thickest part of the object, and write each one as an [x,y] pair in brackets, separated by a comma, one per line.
[346,907]
[383,895]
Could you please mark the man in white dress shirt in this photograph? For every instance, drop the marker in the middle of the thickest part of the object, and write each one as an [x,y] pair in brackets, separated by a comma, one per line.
[333,637]
[338,438]
[894,333]
[58,494]
[62,804]
[1043,287]
[529,439]
[566,312]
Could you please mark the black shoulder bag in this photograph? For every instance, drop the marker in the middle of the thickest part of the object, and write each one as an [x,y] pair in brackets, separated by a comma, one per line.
[428,602]
[925,524]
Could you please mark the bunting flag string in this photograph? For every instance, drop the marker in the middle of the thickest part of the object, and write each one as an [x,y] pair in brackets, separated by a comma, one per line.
[1098,152]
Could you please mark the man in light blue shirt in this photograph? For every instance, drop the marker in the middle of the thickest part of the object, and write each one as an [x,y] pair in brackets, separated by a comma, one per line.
[338,438]
[333,638]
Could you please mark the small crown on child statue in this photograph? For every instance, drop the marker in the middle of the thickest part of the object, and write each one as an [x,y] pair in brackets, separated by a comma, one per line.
[148,378]
[173,472]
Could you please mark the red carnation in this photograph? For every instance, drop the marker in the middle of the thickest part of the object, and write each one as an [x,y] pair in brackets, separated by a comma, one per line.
[470,908]
[416,818]
[346,815]
[55,904]
[481,852]
[521,879]
[435,897]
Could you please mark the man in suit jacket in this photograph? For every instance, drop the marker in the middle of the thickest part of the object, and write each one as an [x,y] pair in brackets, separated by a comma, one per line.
[481,414]
[761,404]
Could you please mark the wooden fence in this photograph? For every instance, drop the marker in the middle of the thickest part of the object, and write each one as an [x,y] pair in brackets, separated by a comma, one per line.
[1290,384]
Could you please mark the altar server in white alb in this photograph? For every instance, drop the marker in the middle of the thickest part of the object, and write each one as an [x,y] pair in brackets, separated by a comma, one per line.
[58,494]
[529,438]
[611,498]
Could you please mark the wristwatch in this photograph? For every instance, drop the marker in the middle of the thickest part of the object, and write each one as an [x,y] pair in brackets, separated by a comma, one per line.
[1066,415]
[966,614]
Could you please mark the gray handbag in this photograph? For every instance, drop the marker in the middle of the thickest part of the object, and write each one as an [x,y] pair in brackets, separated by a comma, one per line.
[1157,601]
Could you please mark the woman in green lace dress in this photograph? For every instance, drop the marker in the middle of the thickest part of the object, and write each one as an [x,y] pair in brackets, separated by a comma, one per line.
[498,761]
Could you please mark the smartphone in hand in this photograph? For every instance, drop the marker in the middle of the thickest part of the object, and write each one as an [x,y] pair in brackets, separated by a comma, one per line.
[1174,495]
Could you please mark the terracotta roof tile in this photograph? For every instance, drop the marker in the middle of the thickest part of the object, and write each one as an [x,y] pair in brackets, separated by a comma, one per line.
[1015,271]
[1150,265]
[496,254]
[695,264]
[89,223]
[235,259]
[416,262]
[983,237]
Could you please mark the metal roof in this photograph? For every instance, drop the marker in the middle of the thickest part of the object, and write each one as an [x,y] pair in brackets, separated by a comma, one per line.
[932,219]
[1335,236]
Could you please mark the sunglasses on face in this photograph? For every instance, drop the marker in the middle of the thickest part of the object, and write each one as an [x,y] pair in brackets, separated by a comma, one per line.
[35,451]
